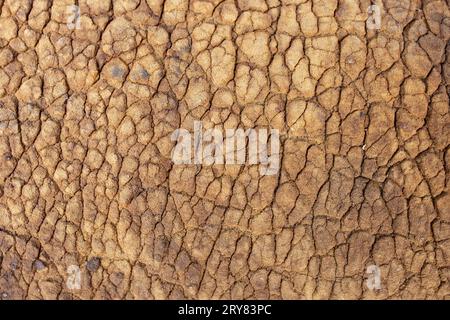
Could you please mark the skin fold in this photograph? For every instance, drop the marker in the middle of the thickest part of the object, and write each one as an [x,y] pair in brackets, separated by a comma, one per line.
[92,206]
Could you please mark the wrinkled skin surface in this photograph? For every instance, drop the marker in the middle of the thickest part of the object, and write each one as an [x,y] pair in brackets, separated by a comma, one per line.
[86,176]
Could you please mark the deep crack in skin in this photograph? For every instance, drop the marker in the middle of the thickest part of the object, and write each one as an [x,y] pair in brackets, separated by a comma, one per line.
[86,176]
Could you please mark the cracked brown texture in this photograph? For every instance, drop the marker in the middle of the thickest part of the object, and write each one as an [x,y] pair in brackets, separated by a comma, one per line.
[86,177]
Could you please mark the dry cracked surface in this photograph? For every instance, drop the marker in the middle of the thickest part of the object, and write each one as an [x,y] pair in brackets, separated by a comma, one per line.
[86,176]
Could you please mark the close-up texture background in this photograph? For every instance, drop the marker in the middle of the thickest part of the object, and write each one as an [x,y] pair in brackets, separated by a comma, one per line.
[92,205]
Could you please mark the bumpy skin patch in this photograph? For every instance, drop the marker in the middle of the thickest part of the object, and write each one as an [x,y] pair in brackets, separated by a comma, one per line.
[86,176]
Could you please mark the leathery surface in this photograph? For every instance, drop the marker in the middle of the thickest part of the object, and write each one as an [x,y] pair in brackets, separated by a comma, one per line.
[87,110]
